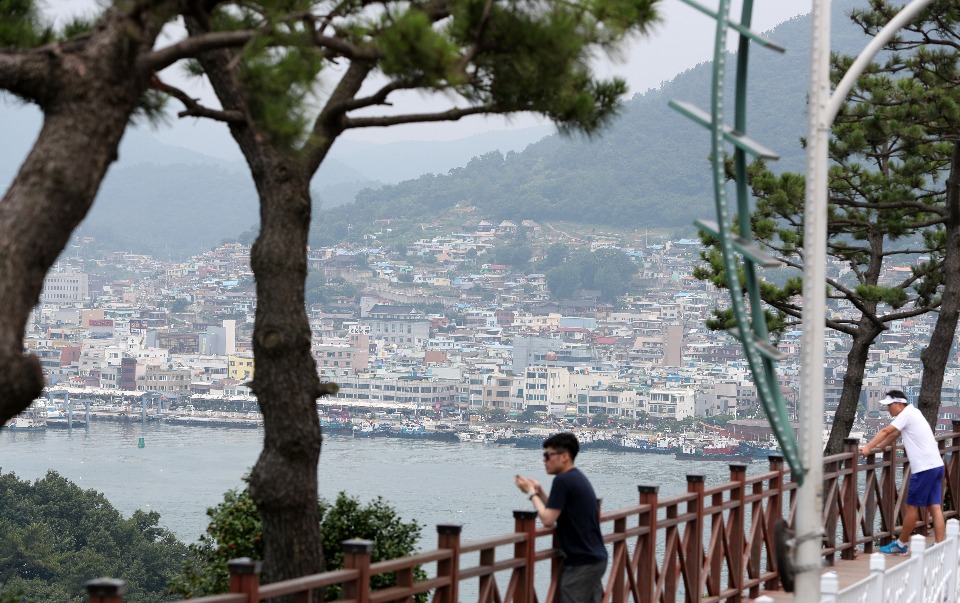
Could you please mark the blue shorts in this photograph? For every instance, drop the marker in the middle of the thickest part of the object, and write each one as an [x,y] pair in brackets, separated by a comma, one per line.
[926,488]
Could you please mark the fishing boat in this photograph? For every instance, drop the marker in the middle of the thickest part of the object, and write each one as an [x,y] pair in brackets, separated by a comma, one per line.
[728,452]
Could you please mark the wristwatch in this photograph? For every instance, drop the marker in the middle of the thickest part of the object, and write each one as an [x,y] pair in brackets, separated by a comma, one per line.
[532,495]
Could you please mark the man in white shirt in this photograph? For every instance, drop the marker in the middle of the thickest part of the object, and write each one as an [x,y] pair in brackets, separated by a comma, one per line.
[926,466]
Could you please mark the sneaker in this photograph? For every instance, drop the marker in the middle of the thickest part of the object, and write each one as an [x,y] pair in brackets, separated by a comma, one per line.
[894,548]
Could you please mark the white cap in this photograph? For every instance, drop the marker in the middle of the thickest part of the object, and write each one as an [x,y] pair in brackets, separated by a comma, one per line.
[891,399]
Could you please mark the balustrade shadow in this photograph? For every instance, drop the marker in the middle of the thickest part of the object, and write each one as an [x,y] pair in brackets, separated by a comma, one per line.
[712,543]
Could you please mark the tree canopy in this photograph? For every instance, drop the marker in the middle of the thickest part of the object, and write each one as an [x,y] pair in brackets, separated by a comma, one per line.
[607,270]
[55,536]
[320,68]
[890,153]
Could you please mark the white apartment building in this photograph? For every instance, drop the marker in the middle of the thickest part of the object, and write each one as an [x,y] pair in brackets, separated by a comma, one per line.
[610,401]
[671,403]
[65,287]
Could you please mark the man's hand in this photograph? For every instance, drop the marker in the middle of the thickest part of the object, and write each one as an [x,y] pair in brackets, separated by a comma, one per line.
[865,451]
[528,485]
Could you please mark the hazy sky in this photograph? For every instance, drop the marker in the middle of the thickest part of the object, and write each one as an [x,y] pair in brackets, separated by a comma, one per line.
[682,40]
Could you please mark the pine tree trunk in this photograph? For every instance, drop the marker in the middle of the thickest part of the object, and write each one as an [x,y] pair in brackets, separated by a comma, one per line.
[87,93]
[852,383]
[935,356]
[284,481]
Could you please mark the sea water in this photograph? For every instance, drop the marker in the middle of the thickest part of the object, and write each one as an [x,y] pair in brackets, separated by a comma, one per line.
[183,470]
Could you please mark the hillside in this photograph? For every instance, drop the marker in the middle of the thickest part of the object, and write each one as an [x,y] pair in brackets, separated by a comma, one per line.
[648,169]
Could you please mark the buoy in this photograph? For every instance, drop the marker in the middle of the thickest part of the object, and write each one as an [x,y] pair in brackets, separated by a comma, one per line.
[141,443]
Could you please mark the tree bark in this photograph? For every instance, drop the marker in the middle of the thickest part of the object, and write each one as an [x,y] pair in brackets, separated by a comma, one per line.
[846,412]
[283,483]
[935,356]
[284,480]
[88,91]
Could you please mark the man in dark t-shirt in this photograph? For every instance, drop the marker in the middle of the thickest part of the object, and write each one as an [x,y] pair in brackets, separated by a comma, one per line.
[572,506]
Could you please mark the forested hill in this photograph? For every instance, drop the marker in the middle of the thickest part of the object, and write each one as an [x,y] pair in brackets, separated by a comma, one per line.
[649,168]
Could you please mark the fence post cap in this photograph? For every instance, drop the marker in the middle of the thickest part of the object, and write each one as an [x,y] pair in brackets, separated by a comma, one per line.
[524,514]
[878,562]
[953,528]
[105,587]
[244,566]
[648,489]
[851,441]
[449,528]
[695,477]
[357,545]
[776,458]
[829,583]
[918,544]
[738,467]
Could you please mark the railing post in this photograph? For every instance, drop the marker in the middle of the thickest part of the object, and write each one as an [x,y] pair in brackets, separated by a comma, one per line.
[245,577]
[953,471]
[525,522]
[851,498]
[888,498]
[870,503]
[620,561]
[105,590]
[774,513]
[737,518]
[647,544]
[448,537]
[829,587]
[693,534]
[356,555]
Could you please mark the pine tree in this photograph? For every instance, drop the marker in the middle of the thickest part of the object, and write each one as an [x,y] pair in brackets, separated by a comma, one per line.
[890,154]
[349,60]
[927,52]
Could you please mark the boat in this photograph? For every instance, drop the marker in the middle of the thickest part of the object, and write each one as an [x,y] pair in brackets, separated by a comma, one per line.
[23,423]
[760,450]
[473,437]
[729,453]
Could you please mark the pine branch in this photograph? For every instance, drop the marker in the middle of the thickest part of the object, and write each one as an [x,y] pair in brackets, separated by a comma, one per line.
[392,120]
[193,108]
[380,96]
[26,74]
[194,45]
[343,48]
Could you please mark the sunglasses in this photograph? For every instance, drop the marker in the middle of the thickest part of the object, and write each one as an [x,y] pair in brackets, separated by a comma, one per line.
[547,455]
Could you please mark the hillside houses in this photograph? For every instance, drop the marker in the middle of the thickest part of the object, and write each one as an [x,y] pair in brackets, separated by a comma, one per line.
[437,323]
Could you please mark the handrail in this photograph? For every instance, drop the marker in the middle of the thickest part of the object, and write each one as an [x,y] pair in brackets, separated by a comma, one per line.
[706,545]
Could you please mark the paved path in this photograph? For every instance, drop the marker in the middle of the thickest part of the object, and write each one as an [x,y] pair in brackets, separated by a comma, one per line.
[848,571]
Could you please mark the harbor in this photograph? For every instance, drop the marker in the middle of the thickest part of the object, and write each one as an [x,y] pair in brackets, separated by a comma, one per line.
[375,419]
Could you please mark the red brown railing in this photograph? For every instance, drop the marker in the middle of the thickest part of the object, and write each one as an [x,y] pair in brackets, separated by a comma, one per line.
[709,544]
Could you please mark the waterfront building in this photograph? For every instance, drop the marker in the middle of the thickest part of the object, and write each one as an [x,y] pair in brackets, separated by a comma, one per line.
[672,403]
[240,367]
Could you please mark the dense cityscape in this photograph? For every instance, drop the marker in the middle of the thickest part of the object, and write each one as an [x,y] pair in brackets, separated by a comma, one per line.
[434,325]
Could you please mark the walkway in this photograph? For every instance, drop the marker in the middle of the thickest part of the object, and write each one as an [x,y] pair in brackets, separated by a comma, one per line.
[848,571]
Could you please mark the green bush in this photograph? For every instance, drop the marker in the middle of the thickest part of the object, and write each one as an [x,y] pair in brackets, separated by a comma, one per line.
[235,531]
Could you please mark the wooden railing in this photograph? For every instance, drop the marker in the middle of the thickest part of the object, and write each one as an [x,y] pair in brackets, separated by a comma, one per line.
[709,544]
